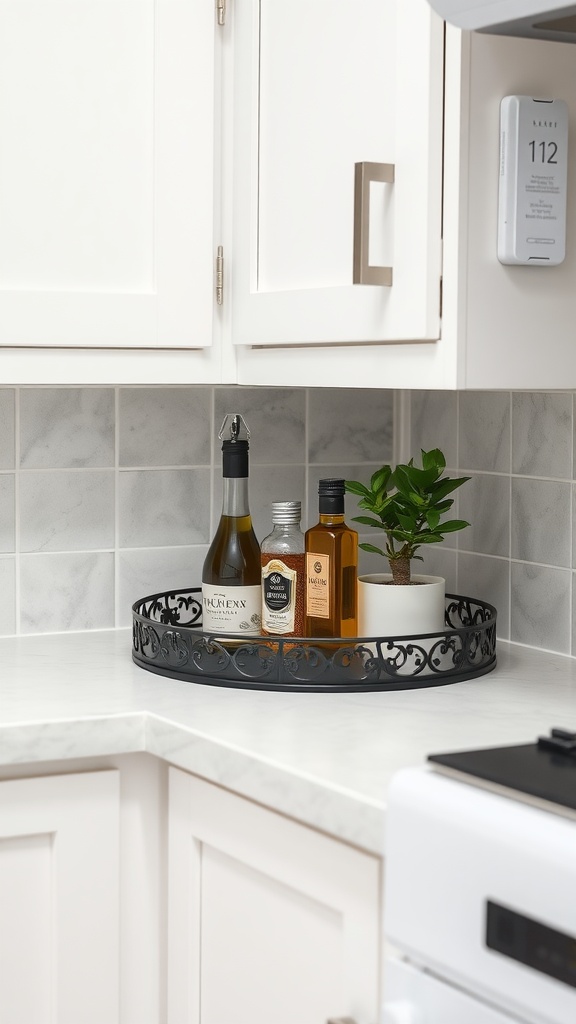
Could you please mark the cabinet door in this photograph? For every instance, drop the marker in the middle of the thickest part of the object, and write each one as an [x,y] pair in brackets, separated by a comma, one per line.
[320,85]
[268,920]
[59,899]
[107,173]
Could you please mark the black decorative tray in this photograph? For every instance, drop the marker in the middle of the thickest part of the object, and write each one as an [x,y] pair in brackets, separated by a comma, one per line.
[168,639]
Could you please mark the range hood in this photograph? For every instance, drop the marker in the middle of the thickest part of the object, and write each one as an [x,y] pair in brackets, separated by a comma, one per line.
[540,19]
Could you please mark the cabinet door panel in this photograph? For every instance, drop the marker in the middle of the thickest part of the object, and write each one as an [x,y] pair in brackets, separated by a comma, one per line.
[282,950]
[319,87]
[268,920]
[59,899]
[106,173]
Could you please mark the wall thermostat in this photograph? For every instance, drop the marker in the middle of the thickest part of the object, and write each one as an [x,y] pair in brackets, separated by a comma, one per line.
[533,181]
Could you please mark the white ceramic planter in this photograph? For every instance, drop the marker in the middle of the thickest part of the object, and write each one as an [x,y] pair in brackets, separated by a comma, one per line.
[396,611]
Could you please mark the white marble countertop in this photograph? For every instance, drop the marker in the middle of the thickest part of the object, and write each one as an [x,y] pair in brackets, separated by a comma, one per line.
[325,759]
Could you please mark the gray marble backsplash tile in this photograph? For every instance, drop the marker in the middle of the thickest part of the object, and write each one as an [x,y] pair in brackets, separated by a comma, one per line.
[163,507]
[484,502]
[7,596]
[541,521]
[7,428]
[434,423]
[70,591]
[7,512]
[276,418]
[347,425]
[165,426]
[66,510]
[542,435]
[66,428]
[111,493]
[519,552]
[541,606]
[484,431]
[108,494]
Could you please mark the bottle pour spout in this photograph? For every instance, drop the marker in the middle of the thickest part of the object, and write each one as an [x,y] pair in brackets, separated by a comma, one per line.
[234,428]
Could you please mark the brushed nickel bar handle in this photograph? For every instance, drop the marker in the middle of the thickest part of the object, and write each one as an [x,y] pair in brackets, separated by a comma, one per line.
[364,173]
[340,1020]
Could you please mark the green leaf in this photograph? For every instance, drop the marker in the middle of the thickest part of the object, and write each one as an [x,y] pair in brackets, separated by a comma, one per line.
[407,522]
[432,518]
[453,525]
[446,486]
[434,459]
[354,487]
[380,478]
[421,479]
[372,549]
[367,521]
[417,499]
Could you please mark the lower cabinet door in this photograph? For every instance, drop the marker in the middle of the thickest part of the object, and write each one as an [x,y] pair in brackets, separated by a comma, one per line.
[269,922]
[59,899]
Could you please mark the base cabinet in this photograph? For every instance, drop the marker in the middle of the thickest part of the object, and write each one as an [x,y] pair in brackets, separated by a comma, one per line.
[59,899]
[268,920]
[132,892]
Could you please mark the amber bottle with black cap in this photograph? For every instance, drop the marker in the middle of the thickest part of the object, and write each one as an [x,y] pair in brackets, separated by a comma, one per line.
[231,586]
[331,567]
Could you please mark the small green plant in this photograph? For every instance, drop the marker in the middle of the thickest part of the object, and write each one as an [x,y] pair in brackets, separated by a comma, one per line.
[409,502]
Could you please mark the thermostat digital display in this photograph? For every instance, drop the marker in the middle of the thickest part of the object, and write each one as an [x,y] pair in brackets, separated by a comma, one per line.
[533,181]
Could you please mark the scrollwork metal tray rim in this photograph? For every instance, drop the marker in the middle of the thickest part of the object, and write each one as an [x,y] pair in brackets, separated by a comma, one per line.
[168,640]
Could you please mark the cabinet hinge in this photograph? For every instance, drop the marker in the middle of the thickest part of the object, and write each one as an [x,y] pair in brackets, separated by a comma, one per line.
[221,11]
[220,275]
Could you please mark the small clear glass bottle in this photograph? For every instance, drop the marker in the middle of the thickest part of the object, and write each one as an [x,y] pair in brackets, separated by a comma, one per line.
[282,559]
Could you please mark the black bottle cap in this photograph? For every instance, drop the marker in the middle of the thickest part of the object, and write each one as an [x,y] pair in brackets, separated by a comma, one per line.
[331,496]
[331,485]
[235,458]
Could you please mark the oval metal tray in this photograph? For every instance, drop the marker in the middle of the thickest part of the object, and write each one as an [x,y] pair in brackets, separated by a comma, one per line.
[168,639]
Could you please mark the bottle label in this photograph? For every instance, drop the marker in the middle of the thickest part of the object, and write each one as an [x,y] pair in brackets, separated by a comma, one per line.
[317,585]
[278,597]
[231,609]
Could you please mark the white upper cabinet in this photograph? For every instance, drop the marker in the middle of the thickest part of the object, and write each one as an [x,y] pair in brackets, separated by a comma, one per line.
[140,135]
[500,326]
[318,87]
[109,174]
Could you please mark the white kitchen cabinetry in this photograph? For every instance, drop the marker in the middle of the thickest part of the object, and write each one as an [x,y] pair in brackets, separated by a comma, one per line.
[268,920]
[59,899]
[501,326]
[318,88]
[109,191]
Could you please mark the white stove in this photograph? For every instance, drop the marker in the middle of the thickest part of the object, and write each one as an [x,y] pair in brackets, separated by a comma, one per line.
[480,898]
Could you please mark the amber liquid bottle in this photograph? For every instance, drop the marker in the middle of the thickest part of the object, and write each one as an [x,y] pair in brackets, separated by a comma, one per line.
[231,586]
[331,568]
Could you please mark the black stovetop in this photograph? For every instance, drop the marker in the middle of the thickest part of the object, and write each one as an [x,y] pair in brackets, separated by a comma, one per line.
[545,769]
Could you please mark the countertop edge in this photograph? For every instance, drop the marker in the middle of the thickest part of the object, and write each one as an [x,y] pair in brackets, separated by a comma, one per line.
[347,816]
